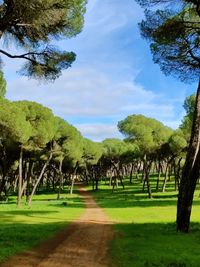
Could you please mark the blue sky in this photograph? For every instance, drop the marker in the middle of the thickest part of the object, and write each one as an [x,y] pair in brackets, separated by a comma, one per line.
[113,76]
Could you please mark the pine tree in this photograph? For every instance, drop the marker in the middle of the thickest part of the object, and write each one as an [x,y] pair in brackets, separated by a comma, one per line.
[33,25]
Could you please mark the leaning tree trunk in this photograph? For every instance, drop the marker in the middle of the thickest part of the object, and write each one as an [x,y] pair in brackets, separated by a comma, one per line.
[190,173]
[165,178]
[39,179]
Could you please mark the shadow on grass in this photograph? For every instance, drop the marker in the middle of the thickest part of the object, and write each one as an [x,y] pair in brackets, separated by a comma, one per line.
[155,245]
[19,236]
[134,245]
[71,246]
[135,198]
[25,212]
[9,217]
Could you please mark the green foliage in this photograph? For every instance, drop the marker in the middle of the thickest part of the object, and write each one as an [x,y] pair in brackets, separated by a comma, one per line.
[174,37]
[2,85]
[42,19]
[69,142]
[42,122]
[33,25]
[92,151]
[50,64]
[131,153]
[13,123]
[177,142]
[145,132]
[150,3]
[114,148]
[189,106]
[74,145]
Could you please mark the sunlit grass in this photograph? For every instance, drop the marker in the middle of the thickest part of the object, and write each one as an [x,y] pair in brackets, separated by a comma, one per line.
[145,228]
[21,228]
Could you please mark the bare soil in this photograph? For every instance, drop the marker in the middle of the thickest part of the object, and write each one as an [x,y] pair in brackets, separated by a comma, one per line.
[83,243]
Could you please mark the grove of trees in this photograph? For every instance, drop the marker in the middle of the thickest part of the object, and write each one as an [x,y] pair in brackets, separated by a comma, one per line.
[40,150]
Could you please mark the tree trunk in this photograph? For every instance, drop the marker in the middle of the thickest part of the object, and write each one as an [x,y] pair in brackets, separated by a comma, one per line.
[39,179]
[30,174]
[86,175]
[116,166]
[3,183]
[147,173]
[131,173]
[147,167]
[60,179]
[111,178]
[165,178]
[148,184]
[190,173]
[159,174]
[20,178]
[73,179]
[72,184]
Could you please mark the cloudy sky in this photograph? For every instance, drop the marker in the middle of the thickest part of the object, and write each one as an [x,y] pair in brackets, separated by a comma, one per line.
[113,76]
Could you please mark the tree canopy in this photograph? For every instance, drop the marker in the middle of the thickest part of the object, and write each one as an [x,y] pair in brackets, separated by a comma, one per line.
[146,132]
[33,26]
[174,37]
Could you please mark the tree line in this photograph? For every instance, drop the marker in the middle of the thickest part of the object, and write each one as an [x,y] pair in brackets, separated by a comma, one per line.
[40,150]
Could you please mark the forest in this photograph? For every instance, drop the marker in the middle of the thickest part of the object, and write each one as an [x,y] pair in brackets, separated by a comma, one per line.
[137,197]
[40,150]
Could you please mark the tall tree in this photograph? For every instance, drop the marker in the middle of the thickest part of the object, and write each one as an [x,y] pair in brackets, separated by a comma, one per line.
[15,127]
[149,134]
[174,33]
[43,126]
[71,146]
[92,152]
[32,25]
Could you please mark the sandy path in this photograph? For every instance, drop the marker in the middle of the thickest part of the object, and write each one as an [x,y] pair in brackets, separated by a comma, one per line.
[82,244]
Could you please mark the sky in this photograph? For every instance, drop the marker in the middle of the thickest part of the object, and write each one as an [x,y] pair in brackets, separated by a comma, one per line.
[113,76]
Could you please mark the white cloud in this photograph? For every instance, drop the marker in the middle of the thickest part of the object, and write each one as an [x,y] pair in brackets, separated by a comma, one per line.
[86,92]
[111,15]
[89,94]
[99,132]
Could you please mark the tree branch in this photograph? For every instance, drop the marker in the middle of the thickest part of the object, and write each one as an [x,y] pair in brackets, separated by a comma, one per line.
[23,56]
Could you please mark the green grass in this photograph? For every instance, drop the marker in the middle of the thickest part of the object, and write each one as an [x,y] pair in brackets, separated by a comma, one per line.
[145,228]
[22,228]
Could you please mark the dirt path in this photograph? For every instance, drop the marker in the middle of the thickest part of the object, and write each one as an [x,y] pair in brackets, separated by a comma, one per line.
[82,244]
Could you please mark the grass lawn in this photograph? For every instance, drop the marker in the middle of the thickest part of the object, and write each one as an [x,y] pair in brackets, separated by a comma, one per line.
[145,228]
[22,228]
